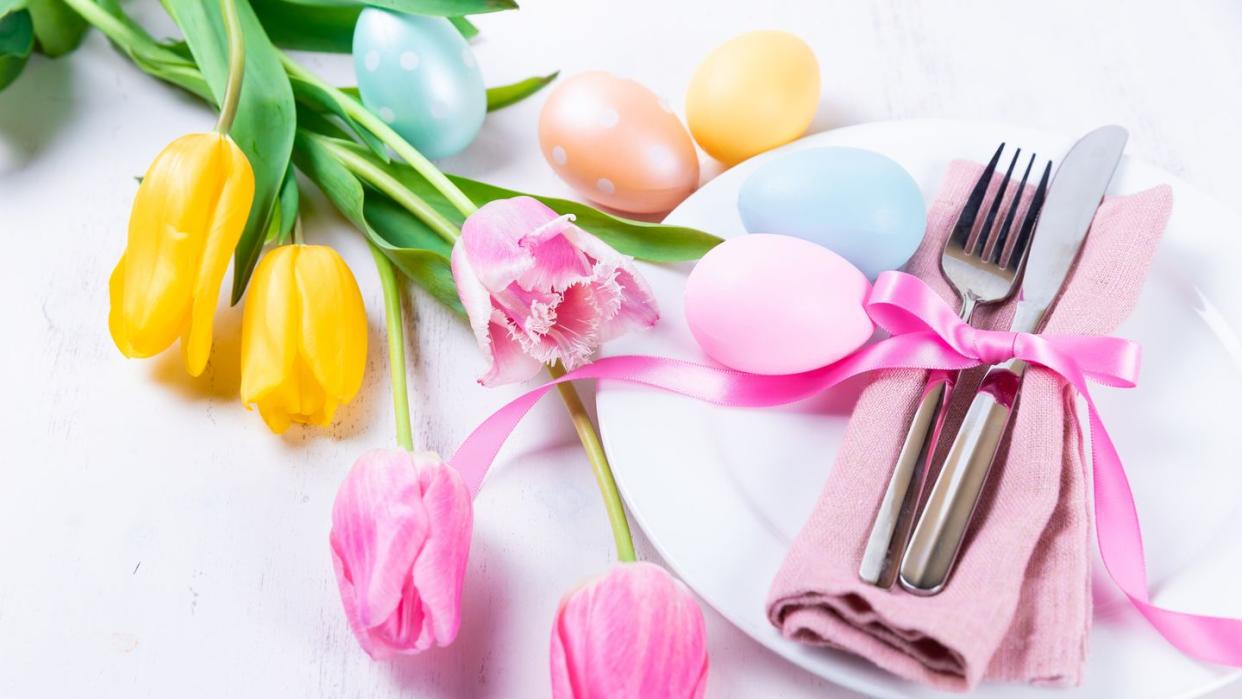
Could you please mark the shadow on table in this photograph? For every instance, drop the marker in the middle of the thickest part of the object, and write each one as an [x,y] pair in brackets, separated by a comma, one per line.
[33,109]
[221,380]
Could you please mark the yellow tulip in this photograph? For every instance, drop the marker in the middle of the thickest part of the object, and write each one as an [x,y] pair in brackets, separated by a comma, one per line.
[187,217]
[304,336]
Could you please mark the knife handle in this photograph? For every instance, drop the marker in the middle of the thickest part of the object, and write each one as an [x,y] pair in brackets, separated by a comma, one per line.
[893,521]
[942,526]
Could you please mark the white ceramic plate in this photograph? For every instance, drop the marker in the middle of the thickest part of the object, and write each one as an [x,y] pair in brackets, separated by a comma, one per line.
[722,492]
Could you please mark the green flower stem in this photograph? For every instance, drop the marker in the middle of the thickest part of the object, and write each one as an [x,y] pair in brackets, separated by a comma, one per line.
[237,65]
[386,183]
[396,347]
[385,133]
[599,464]
[101,19]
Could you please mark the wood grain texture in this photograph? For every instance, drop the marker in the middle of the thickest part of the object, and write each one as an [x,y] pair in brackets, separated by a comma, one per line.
[158,541]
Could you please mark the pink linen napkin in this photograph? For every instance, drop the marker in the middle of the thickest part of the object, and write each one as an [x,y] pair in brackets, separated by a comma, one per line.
[1018,606]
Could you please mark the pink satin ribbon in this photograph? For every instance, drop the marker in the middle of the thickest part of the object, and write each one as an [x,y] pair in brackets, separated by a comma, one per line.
[925,334]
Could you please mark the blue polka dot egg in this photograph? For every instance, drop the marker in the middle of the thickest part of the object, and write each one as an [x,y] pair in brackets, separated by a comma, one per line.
[418,74]
[857,203]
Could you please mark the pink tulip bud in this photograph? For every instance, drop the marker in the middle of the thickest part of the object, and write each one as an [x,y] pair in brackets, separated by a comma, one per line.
[539,289]
[400,538]
[636,633]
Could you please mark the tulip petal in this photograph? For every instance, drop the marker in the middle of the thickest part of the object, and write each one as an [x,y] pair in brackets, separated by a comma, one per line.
[635,633]
[492,237]
[441,565]
[558,263]
[269,351]
[228,219]
[638,308]
[506,361]
[379,524]
[333,339]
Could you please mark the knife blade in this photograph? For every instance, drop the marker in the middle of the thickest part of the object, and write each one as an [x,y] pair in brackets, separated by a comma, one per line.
[1076,192]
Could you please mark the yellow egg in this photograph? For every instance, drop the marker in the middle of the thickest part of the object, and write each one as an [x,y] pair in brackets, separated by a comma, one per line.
[753,93]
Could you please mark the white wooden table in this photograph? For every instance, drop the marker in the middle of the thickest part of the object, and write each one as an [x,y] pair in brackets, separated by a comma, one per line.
[158,541]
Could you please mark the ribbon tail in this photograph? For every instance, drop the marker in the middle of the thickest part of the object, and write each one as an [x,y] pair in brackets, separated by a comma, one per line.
[1208,638]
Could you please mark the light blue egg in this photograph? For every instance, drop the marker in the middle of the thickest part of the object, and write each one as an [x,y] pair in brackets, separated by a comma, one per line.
[857,203]
[418,74]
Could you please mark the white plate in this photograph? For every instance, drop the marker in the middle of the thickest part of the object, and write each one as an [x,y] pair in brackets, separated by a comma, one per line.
[722,492]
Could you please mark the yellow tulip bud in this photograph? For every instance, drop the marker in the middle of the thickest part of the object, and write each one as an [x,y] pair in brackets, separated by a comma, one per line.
[304,336]
[187,217]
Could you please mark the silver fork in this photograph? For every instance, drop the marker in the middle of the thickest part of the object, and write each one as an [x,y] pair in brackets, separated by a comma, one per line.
[984,266]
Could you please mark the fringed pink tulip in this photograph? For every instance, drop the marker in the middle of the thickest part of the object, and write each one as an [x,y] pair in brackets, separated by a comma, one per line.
[539,289]
[637,633]
[400,537]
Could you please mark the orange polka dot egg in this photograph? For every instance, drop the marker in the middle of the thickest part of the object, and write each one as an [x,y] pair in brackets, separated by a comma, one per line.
[617,144]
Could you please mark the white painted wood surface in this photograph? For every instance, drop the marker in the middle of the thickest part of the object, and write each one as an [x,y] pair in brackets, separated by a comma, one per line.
[158,541]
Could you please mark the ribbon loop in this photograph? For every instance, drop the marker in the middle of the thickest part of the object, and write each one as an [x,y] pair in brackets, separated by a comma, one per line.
[908,308]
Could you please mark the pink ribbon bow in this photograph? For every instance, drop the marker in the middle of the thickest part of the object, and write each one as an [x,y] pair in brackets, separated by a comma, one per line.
[926,333]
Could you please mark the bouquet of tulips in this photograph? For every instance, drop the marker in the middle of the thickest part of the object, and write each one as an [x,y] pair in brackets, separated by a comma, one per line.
[542,282]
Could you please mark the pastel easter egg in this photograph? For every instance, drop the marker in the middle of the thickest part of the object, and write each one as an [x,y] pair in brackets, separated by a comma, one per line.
[774,304]
[857,203]
[753,93]
[615,143]
[418,74]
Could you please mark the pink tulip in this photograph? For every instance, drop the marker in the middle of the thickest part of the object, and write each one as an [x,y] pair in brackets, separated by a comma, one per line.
[636,633]
[400,537]
[539,289]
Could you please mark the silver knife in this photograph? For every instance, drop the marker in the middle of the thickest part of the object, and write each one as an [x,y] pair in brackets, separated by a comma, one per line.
[1076,192]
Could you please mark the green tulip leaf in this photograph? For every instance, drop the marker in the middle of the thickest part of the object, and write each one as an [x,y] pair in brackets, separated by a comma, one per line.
[434,8]
[322,27]
[415,249]
[317,98]
[57,28]
[265,122]
[302,27]
[505,95]
[16,43]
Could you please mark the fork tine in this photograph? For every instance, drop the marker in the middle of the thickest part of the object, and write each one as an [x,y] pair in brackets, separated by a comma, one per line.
[966,220]
[1001,250]
[1028,222]
[987,235]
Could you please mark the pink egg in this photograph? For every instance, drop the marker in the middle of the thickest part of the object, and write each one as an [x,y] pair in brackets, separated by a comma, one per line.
[615,143]
[774,304]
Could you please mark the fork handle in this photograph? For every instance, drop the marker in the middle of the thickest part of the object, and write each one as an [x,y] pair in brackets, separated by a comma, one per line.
[895,518]
[942,526]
